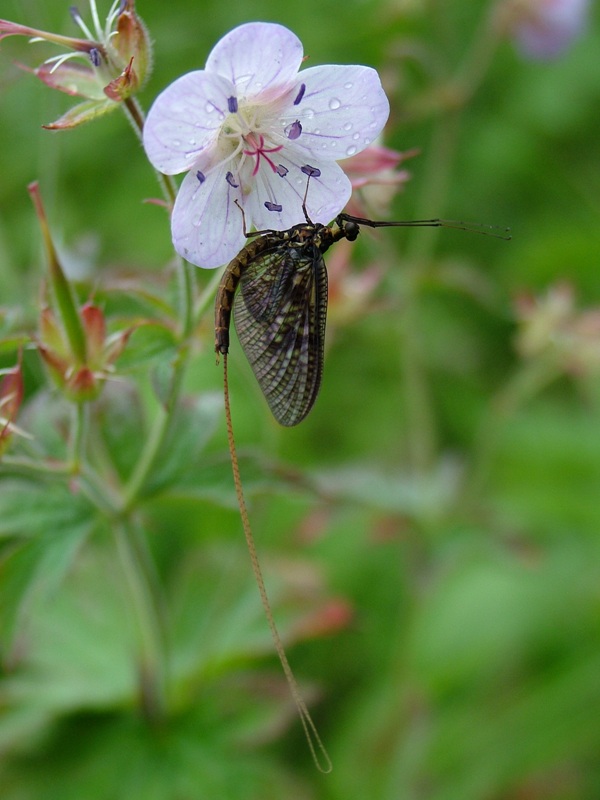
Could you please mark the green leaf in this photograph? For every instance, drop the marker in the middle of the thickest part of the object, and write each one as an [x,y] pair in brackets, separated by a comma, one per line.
[47,525]
[192,428]
[30,510]
[148,343]
[122,759]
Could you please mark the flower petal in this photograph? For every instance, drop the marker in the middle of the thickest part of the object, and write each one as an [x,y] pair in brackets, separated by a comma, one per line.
[342,111]
[185,119]
[326,197]
[206,225]
[261,59]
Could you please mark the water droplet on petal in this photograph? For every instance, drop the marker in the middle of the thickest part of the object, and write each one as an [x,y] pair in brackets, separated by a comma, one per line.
[192,142]
[308,113]
[176,142]
[348,85]
[209,107]
[348,126]
[334,103]
[350,151]
[356,136]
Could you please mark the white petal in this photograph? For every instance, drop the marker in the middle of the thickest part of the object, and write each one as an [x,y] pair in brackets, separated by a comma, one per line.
[327,195]
[261,59]
[342,111]
[185,119]
[206,225]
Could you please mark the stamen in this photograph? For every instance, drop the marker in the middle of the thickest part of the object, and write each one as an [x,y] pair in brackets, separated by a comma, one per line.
[294,130]
[312,172]
[232,105]
[96,21]
[281,170]
[76,17]
[201,177]
[300,94]
[273,206]
[230,181]
[95,56]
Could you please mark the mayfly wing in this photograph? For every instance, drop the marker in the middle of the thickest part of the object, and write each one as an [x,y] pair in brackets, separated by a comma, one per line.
[280,312]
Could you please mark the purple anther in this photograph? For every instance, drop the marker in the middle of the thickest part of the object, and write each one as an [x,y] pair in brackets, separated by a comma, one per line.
[294,130]
[312,172]
[232,105]
[300,94]
[281,170]
[230,181]
[95,56]
[75,15]
[201,176]
[273,206]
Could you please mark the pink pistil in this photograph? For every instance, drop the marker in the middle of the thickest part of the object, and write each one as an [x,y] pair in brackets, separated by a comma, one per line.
[261,150]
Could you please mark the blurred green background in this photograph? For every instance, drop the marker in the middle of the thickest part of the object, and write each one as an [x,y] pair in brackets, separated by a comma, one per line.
[430,534]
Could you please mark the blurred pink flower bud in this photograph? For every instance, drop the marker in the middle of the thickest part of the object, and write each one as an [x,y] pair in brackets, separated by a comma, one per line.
[543,29]
[375,179]
[11,397]
[551,327]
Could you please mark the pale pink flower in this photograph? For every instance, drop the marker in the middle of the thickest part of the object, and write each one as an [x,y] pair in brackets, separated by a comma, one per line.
[245,126]
[544,28]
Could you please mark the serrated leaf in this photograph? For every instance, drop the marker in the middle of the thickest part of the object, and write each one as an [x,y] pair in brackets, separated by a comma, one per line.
[30,510]
[121,759]
[193,426]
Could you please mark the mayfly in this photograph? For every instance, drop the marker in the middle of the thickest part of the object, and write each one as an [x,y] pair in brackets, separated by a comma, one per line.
[280,306]
[277,289]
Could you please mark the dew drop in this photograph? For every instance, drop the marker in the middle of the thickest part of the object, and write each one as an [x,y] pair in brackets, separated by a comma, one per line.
[348,126]
[334,103]
[192,142]
[308,113]
[350,151]
[209,107]
[348,85]
[176,142]
[356,136]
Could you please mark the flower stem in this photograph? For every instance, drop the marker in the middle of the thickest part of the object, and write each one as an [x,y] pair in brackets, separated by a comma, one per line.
[160,428]
[140,580]
[421,427]
[78,433]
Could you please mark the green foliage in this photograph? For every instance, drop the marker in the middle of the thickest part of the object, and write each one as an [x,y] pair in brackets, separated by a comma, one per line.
[441,498]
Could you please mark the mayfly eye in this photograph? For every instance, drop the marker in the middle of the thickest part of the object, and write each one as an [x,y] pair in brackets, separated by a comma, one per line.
[351,230]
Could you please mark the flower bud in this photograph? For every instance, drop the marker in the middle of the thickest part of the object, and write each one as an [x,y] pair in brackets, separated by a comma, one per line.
[11,397]
[73,342]
[106,67]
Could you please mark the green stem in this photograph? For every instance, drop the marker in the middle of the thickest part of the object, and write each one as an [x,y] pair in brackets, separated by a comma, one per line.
[421,424]
[207,298]
[160,428]
[154,442]
[143,590]
[78,435]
